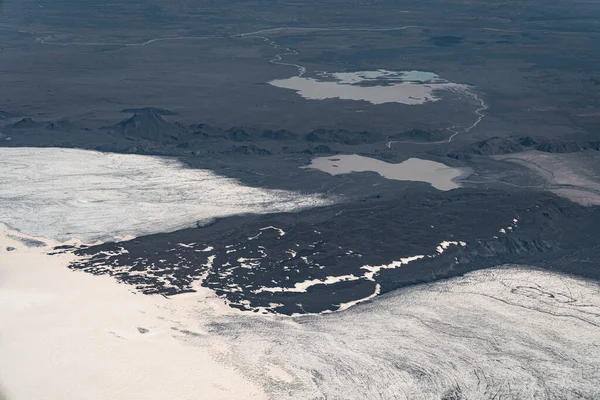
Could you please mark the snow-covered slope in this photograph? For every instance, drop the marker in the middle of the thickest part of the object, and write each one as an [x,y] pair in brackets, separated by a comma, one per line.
[88,195]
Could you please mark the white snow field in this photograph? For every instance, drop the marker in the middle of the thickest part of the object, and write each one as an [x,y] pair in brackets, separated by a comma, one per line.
[69,193]
[511,333]
[503,333]
[73,335]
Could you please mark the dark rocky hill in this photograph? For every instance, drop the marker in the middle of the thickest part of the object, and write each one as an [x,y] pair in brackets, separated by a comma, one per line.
[204,131]
[508,145]
[495,146]
[150,125]
[26,123]
[343,136]
[420,135]
[239,134]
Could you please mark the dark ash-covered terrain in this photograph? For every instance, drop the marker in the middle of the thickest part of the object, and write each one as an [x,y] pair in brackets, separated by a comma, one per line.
[382,235]
[318,260]
[197,89]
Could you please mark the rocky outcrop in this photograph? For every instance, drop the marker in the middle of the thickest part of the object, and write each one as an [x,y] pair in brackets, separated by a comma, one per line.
[527,141]
[204,131]
[508,145]
[239,134]
[496,146]
[557,146]
[594,145]
[320,149]
[26,123]
[420,135]
[150,125]
[343,136]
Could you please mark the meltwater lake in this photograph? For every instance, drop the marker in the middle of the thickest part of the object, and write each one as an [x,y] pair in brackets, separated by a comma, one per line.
[376,87]
[438,175]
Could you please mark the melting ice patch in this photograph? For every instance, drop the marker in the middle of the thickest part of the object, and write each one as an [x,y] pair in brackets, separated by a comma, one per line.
[377,87]
[69,193]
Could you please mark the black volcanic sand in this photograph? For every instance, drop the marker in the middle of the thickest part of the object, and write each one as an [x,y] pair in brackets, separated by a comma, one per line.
[551,232]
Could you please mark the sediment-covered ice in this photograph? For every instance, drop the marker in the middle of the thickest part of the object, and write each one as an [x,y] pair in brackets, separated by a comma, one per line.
[89,195]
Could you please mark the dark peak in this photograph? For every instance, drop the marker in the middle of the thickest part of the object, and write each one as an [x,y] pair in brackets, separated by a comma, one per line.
[138,120]
[488,147]
[343,136]
[148,125]
[560,146]
[500,145]
[26,120]
[240,134]
[148,110]
[556,146]
[527,141]
[319,149]
[326,135]
[495,146]
[420,135]
[26,123]
[594,145]
[207,131]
